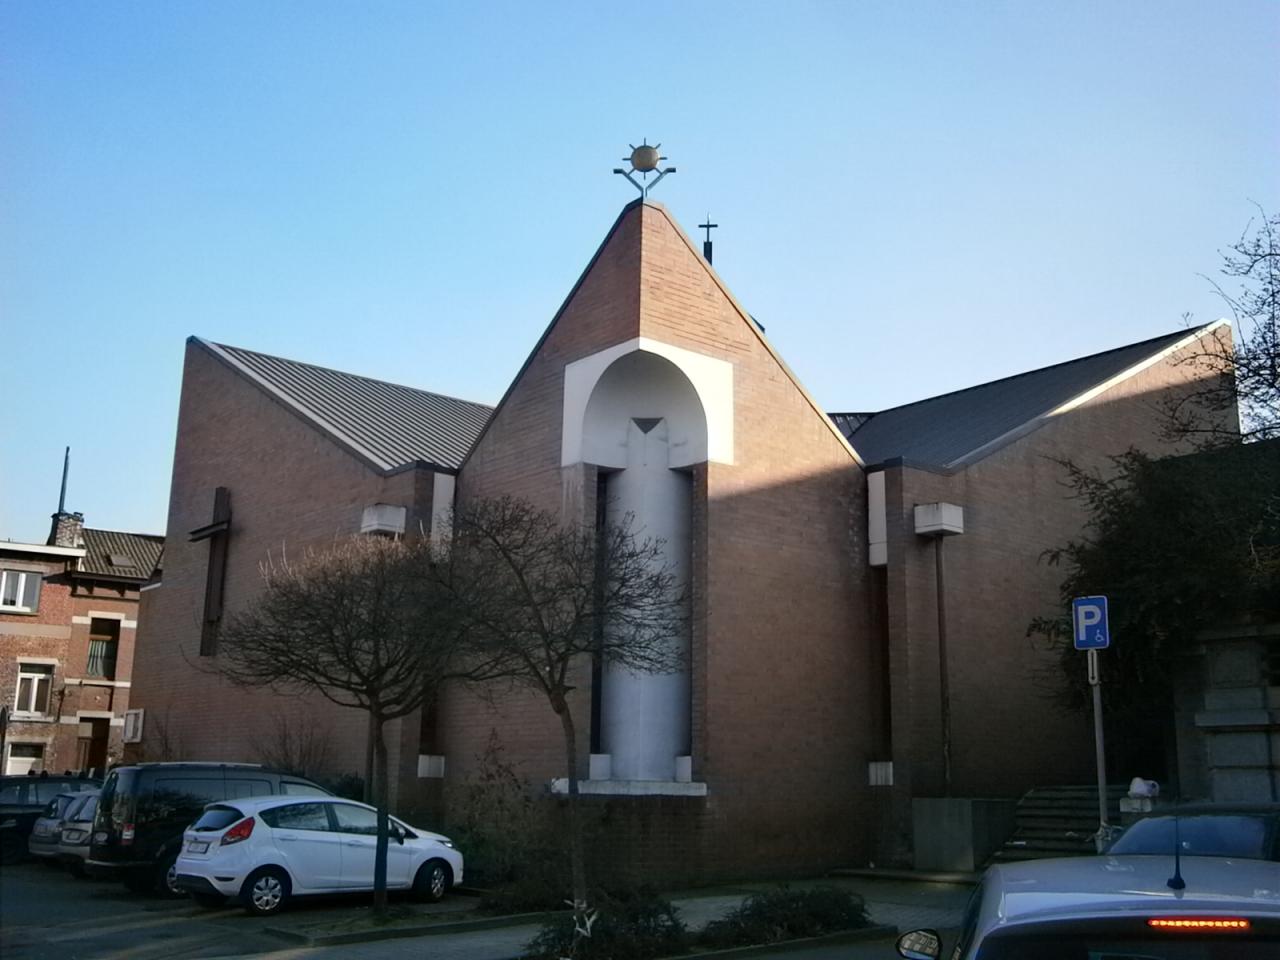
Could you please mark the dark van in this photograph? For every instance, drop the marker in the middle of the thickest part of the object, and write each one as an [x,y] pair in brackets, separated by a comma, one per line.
[137,832]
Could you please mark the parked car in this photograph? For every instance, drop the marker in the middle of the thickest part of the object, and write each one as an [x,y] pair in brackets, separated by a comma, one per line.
[1118,908]
[1250,831]
[77,829]
[22,800]
[144,808]
[266,850]
[47,829]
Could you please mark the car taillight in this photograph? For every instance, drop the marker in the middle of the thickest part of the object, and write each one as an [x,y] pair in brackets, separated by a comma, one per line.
[1198,923]
[239,832]
[126,834]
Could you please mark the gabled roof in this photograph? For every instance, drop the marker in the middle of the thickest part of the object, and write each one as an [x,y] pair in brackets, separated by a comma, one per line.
[384,423]
[111,553]
[958,428]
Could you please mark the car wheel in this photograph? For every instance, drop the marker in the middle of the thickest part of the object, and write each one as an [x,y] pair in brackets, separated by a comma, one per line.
[432,881]
[210,901]
[12,849]
[167,877]
[265,891]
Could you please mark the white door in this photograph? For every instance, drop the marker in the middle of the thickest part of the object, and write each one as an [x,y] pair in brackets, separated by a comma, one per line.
[311,851]
[359,830]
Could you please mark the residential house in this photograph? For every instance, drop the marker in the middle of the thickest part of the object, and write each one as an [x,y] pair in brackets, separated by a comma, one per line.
[68,619]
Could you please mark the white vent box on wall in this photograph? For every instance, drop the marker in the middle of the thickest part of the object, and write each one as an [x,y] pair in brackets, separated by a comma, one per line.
[939,519]
[384,518]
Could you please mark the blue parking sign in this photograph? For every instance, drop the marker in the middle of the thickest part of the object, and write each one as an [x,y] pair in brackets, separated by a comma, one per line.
[1089,623]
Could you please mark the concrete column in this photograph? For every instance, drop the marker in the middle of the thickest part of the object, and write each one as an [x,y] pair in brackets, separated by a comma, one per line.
[645,717]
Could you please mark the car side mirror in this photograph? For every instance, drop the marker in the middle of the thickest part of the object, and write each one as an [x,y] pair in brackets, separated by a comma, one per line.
[398,834]
[920,945]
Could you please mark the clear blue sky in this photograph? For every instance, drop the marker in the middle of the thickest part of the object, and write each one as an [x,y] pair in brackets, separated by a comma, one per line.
[913,197]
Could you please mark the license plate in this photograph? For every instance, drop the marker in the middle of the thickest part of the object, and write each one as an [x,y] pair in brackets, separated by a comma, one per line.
[100,837]
[72,836]
[197,846]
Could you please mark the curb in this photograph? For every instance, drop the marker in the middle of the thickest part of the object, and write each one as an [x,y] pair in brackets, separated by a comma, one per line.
[395,933]
[782,946]
[519,919]
[919,876]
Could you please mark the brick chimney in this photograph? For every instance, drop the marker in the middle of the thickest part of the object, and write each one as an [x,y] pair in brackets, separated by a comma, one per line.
[68,530]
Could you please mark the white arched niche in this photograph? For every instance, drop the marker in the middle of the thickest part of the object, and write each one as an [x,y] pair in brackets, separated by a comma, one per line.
[641,380]
[644,421]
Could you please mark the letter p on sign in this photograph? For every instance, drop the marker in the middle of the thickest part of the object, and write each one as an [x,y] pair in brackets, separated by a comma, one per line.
[1089,623]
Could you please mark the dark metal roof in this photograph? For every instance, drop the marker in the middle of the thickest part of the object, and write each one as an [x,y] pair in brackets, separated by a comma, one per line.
[110,553]
[950,429]
[388,424]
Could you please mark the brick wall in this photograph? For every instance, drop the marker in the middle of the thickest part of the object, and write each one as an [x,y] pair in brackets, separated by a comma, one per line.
[292,488]
[778,641]
[1007,733]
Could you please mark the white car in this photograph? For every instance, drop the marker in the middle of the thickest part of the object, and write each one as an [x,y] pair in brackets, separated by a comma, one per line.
[1118,908]
[265,850]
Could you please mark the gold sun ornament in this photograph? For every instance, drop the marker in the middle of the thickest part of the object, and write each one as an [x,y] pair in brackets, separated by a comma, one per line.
[644,160]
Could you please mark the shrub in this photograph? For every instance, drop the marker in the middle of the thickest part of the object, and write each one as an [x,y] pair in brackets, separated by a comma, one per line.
[349,786]
[497,825]
[541,883]
[628,925]
[786,914]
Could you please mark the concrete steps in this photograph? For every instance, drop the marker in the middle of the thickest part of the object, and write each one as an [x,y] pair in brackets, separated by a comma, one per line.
[1057,822]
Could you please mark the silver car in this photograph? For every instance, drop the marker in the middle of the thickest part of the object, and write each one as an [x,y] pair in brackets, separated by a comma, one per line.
[1147,907]
[43,841]
[77,831]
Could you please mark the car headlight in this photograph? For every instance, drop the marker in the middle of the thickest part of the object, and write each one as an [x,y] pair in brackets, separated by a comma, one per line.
[445,841]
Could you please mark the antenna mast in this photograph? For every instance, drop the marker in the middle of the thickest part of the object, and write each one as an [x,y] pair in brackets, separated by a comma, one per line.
[66,468]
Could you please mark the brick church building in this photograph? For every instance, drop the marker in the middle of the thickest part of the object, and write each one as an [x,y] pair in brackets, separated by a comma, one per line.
[827,554]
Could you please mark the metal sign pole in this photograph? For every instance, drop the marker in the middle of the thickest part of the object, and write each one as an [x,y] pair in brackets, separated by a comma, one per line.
[1098,741]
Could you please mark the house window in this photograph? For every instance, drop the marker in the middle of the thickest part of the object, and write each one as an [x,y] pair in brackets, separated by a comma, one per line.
[19,591]
[34,683]
[133,726]
[104,641]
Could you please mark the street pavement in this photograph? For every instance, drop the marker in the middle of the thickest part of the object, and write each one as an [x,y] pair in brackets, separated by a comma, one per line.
[47,915]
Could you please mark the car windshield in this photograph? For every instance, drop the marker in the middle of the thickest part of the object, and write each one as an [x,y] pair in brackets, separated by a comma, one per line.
[217,817]
[74,807]
[88,807]
[57,807]
[1207,835]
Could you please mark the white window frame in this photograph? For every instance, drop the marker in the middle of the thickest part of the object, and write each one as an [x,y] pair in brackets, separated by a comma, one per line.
[46,671]
[133,725]
[21,576]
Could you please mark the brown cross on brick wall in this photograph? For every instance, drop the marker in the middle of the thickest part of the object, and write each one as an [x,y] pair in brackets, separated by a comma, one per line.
[217,533]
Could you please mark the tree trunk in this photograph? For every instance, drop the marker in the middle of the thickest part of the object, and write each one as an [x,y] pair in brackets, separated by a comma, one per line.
[577,861]
[380,798]
[367,790]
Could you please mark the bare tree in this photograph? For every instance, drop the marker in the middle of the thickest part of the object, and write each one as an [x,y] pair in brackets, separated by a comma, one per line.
[1246,375]
[355,623]
[539,598]
[293,744]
